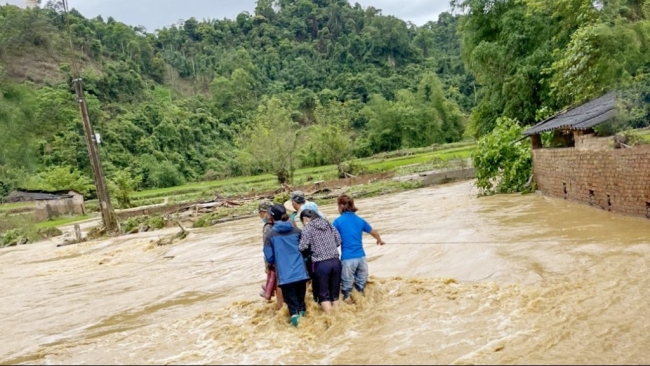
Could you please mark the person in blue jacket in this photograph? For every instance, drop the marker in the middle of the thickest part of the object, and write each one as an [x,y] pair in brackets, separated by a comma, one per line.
[281,249]
[353,257]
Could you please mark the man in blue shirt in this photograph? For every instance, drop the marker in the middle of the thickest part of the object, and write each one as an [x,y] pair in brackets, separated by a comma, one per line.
[353,257]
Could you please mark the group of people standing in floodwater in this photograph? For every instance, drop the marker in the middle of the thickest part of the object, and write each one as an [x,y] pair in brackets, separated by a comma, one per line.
[295,256]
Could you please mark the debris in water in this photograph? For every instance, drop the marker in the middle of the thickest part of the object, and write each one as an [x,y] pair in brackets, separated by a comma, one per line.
[76,240]
[96,232]
[50,232]
[170,239]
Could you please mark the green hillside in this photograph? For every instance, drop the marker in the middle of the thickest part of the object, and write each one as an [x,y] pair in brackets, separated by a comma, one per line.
[299,83]
[307,84]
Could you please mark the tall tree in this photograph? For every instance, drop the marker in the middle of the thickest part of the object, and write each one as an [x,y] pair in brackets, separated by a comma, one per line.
[269,143]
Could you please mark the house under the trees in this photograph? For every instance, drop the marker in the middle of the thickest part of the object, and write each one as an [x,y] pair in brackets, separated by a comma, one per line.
[584,168]
[51,204]
[573,127]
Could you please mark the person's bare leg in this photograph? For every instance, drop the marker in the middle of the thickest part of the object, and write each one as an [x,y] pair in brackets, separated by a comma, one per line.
[279,299]
[335,304]
[327,306]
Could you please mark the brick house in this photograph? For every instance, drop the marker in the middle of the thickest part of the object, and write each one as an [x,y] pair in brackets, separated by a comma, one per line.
[50,204]
[588,169]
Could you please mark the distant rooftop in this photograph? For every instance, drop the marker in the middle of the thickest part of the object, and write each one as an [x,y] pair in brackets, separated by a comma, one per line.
[47,197]
[40,195]
[583,117]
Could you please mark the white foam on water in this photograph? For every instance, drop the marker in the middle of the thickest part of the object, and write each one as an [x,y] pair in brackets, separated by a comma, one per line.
[494,296]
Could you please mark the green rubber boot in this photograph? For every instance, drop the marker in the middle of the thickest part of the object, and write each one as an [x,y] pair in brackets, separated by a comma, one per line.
[294,320]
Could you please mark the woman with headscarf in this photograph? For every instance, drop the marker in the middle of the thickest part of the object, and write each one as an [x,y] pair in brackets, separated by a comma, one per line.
[322,240]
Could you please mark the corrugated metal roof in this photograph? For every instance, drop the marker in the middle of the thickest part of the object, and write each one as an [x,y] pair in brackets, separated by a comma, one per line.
[47,197]
[40,195]
[59,192]
[582,117]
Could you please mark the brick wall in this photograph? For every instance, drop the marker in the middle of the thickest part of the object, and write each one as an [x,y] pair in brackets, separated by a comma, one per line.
[592,143]
[614,180]
[50,209]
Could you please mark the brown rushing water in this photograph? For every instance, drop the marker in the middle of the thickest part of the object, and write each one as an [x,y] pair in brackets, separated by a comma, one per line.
[506,279]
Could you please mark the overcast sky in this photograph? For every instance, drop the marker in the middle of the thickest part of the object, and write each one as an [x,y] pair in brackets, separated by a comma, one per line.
[154,14]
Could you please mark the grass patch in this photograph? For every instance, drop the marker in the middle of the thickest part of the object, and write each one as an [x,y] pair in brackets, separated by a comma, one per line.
[380,163]
[645,135]
[394,163]
[154,222]
[381,188]
[17,229]
[15,206]
[194,187]
[435,164]
[145,201]
[61,222]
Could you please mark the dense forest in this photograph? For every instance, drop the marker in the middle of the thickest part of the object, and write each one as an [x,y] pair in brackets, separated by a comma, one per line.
[533,58]
[267,91]
[296,83]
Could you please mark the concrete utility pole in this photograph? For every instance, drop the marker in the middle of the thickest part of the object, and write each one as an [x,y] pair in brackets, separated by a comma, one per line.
[105,206]
[108,216]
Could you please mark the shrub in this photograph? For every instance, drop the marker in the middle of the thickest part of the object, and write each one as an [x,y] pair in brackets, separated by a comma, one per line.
[352,167]
[15,229]
[203,221]
[165,174]
[629,138]
[10,237]
[157,222]
[132,223]
[503,165]
[211,175]
[281,198]
[50,232]
[122,186]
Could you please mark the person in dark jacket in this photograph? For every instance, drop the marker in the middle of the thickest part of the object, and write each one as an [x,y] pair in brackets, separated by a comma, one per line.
[281,250]
[321,239]
[270,287]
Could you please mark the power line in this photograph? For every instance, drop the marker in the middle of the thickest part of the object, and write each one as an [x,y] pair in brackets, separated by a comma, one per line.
[517,242]
[172,260]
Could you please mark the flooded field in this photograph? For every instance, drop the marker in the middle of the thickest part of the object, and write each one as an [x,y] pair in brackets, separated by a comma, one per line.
[507,279]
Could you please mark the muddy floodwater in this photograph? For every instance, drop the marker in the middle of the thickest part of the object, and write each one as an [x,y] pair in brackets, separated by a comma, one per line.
[507,279]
